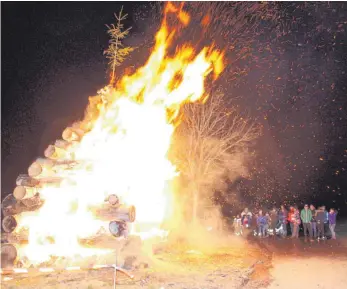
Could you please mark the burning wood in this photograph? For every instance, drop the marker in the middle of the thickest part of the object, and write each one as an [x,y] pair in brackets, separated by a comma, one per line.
[26,181]
[8,255]
[73,134]
[55,152]
[113,148]
[9,224]
[12,206]
[109,213]
[22,192]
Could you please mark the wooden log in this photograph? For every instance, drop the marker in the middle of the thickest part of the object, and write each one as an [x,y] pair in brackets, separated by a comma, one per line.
[9,224]
[11,206]
[8,255]
[43,168]
[55,152]
[73,134]
[115,213]
[22,192]
[27,181]
[63,144]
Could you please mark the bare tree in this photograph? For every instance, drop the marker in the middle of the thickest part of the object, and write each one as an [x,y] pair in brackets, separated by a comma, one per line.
[211,145]
[117,52]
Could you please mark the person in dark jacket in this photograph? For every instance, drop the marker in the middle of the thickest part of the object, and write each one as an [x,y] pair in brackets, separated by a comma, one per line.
[274,218]
[332,223]
[326,221]
[313,221]
[320,217]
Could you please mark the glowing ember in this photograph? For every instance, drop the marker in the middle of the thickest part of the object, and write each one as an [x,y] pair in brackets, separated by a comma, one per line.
[124,151]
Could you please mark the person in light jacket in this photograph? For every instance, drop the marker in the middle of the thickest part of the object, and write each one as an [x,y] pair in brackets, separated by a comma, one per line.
[296,223]
[332,223]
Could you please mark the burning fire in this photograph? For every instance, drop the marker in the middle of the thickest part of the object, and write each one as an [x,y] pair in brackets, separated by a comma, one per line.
[125,149]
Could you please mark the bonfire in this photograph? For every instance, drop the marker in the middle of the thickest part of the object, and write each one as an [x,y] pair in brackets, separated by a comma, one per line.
[117,153]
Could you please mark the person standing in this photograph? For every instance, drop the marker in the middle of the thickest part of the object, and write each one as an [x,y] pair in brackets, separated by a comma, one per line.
[306,217]
[237,225]
[274,220]
[313,221]
[332,223]
[291,218]
[296,223]
[320,216]
[326,220]
[282,218]
[261,222]
[246,218]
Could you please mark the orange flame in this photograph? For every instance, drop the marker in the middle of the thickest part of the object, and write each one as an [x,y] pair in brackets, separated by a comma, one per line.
[125,150]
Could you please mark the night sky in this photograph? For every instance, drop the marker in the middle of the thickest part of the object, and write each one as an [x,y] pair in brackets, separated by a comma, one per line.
[287,69]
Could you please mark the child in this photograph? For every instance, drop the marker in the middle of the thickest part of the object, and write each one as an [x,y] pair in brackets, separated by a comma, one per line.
[238,225]
[332,223]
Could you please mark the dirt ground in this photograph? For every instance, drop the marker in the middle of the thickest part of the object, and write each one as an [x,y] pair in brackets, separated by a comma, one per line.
[233,263]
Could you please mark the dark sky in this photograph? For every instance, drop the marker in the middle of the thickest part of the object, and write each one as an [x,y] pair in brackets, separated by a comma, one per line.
[291,80]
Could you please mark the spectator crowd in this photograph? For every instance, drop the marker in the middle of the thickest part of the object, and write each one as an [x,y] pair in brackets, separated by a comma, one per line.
[315,223]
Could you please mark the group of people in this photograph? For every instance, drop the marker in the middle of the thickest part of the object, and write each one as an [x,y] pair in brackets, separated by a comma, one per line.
[315,222]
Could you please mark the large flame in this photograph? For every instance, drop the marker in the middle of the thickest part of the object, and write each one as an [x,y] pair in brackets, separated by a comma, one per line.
[125,150]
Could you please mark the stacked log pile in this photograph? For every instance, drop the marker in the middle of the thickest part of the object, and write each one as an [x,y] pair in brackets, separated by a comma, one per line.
[43,172]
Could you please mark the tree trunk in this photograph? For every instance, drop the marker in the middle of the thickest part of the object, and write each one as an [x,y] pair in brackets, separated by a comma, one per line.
[195,206]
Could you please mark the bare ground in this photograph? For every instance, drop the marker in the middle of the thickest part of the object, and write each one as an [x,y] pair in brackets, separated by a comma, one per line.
[233,263]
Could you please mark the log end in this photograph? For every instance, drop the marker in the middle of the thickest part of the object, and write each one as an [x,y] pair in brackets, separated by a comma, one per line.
[35,169]
[132,214]
[8,255]
[19,192]
[9,224]
[50,150]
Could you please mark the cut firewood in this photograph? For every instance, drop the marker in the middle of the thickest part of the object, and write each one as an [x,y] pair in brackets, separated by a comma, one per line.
[27,181]
[22,192]
[9,224]
[73,134]
[55,152]
[113,213]
[8,255]
[11,206]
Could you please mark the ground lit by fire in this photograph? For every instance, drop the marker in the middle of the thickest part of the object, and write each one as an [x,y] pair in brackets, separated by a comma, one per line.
[124,151]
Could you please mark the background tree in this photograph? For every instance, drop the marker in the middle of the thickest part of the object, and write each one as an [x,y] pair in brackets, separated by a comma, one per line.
[211,145]
[117,52]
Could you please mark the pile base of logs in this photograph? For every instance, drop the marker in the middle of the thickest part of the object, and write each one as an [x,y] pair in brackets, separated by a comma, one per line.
[45,172]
